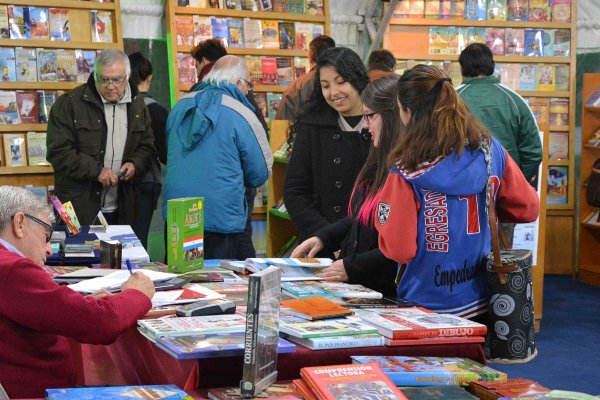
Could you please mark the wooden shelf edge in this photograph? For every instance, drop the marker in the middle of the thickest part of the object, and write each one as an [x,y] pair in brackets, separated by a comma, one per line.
[486,23]
[23,128]
[220,12]
[41,169]
[88,5]
[559,128]
[57,44]
[39,85]
[248,51]
[498,59]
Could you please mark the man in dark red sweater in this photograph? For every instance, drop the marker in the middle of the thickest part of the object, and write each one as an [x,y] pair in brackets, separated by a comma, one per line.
[37,315]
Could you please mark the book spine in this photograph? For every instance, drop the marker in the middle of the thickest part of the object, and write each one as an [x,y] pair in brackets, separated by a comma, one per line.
[439,332]
[344,344]
[247,386]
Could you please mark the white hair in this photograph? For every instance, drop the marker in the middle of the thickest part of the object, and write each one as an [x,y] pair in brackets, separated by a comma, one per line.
[110,57]
[227,69]
[15,198]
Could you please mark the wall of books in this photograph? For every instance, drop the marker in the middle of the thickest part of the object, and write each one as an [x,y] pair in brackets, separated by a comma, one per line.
[46,48]
[534,46]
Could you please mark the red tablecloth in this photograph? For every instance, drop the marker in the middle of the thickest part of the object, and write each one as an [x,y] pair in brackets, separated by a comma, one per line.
[134,360]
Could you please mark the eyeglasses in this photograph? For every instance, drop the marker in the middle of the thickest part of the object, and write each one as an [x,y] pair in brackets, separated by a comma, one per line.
[115,81]
[248,83]
[48,227]
[369,117]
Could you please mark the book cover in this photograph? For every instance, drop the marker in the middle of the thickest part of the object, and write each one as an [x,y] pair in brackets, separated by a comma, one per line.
[269,70]
[273,100]
[302,388]
[186,65]
[559,111]
[296,6]
[46,62]
[340,342]
[432,9]
[66,66]
[8,108]
[278,390]
[350,381]
[36,147]
[417,322]
[236,32]
[512,387]
[330,289]
[475,35]
[45,100]
[250,5]
[202,28]
[561,10]
[301,66]
[514,42]
[60,28]
[85,64]
[252,33]
[270,33]
[18,22]
[287,35]
[315,308]
[594,98]
[184,30]
[280,6]
[434,371]
[38,23]
[494,39]
[265,5]
[284,70]
[548,42]
[527,77]
[101,22]
[220,30]
[233,4]
[185,227]
[300,328]
[214,3]
[15,152]
[517,10]
[558,146]
[509,75]
[62,213]
[401,10]
[416,9]
[303,32]
[450,392]
[475,10]
[456,41]
[27,106]
[546,78]
[4,27]
[557,185]
[158,392]
[540,107]
[7,64]
[562,77]
[562,42]
[438,40]
[185,326]
[434,340]
[25,64]
[539,11]
[259,368]
[497,10]
[70,212]
[261,101]
[445,6]
[314,7]
[111,254]
[457,9]
[254,65]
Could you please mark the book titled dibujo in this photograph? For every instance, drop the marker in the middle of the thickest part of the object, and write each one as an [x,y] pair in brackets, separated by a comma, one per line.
[185,224]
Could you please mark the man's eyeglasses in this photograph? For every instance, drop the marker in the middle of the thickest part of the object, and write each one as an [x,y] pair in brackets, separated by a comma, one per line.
[115,81]
[369,117]
[248,83]
[48,227]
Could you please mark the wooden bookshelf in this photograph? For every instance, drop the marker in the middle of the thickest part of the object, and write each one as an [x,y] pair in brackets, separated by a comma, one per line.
[589,234]
[81,35]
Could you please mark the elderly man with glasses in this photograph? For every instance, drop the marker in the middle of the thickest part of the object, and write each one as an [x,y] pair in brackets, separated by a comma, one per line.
[37,315]
[99,138]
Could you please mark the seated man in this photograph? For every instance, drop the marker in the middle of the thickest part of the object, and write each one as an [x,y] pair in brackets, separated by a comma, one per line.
[37,315]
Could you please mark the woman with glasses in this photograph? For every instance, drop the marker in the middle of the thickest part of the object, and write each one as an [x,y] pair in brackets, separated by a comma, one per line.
[329,144]
[360,259]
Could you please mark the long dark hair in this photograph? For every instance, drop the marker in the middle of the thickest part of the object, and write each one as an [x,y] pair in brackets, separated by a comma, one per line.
[380,97]
[350,67]
[440,122]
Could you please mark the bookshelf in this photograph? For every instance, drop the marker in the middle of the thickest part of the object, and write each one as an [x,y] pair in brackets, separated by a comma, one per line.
[81,38]
[589,234]
[174,11]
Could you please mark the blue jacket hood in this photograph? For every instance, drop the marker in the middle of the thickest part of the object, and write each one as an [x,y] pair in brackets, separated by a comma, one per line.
[453,175]
[195,115]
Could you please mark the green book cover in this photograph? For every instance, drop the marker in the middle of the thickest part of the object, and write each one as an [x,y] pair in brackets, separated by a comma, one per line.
[185,222]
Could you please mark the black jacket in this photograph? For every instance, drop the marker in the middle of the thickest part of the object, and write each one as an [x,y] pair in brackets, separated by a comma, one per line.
[321,171]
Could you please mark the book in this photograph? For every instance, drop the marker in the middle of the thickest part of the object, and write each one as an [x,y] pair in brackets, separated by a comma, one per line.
[561,10]
[418,322]
[72,228]
[517,10]
[46,99]
[259,369]
[431,371]
[497,10]
[211,345]
[475,10]
[475,35]
[512,387]
[284,70]
[15,152]
[280,6]
[270,33]
[438,40]
[7,64]
[46,62]
[527,77]
[8,108]
[261,101]
[432,9]
[111,254]
[450,392]
[18,22]
[185,229]
[25,64]
[509,75]
[557,184]
[434,341]
[38,23]
[287,35]
[358,302]
[534,42]
[233,4]
[250,5]
[278,390]
[236,32]
[101,23]
[416,9]
[273,100]
[70,212]
[330,289]
[546,78]
[186,326]
[558,146]
[300,328]
[296,6]
[303,32]
[514,41]
[340,342]
[202,28]
[315,308]
[4,27]
[562,43]
[314,7]
[593,99]
[66,66]
[494,39]
[157,392]
[220,30]
[559,111]
[85,63]
[59,25]
[540,107]
[184,30]
[186,66]
[350,381]
[252,33]
[36,148]
[539,11]
[265,5]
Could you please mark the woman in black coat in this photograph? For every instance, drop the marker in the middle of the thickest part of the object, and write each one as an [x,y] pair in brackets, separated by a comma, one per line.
[360,259]
[329,144]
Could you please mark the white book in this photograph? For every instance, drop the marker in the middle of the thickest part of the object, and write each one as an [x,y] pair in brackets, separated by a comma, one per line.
[116,279]
[340,342]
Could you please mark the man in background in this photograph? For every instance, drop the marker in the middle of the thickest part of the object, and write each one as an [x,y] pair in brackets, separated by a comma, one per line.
[99,138]
[381,63]
[37,315]
[206,54]
[300,90]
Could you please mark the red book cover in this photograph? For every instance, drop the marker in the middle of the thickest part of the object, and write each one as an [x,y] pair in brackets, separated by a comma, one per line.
[516,387]
[350,381]
[269,70]
[27,105]
[303,389]
[434,340]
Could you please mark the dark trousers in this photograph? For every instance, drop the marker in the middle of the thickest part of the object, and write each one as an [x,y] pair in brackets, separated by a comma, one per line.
[145,209]
[245,246]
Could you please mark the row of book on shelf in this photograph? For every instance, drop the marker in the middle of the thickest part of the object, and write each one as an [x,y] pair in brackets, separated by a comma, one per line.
[246,33]
[310,7]
[26,106]
[46,65]
[39,23]
[481,10]
[501,41]
[21,149]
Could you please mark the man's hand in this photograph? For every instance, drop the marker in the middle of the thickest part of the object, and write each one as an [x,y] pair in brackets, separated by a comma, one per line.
[128,171]
[141,282]
[108,178]
[309,248]
[335,272]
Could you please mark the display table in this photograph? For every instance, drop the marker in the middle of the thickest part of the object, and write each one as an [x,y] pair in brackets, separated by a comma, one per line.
[134,360]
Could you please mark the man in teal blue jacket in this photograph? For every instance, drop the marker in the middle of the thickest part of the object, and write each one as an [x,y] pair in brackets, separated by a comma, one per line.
[216,146]
[504,112]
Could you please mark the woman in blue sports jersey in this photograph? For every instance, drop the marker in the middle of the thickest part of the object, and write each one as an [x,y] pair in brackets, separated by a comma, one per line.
[432,212]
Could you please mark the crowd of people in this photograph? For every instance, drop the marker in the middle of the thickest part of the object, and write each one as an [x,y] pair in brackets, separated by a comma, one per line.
[388,175]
